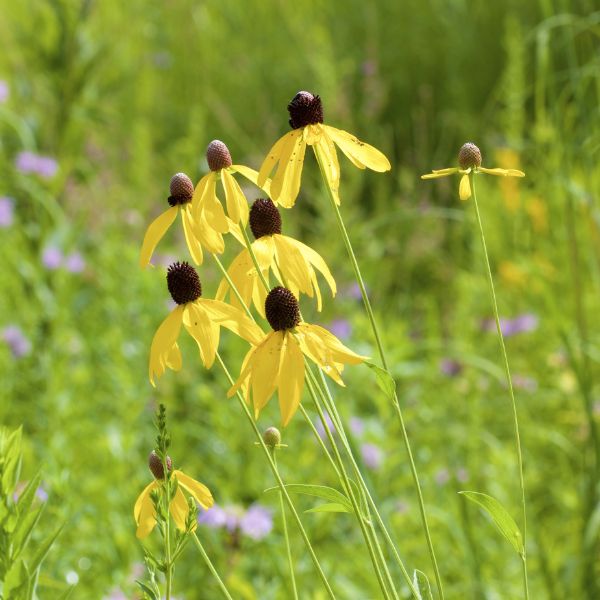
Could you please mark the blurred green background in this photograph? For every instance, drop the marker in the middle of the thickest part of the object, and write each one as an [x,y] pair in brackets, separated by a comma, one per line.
[101,102]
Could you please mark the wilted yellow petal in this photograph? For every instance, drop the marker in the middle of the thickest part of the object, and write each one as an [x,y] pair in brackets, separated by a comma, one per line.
[237,205]
[327,156]
[291,378]
[315,259]
[195,488]
[273,157]
[252,176]
[161,350]
[245,372]
[179,509]
[351,146]
[204,331]
[265,370]
[206,206]
[143,511]
[192,242]
[464,189]
[502,172]
[283,187]
[155,232]
[224,315]
[292,264]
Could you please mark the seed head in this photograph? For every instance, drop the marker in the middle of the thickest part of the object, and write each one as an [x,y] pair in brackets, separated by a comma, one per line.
[181,188]
[469,156]
[282,309]
[218,156]
[272,437]
[264,218]
[156,465]
[183,283]
[305,109]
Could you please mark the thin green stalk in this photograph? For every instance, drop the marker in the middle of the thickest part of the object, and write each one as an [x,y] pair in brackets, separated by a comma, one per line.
[280,482]
[509,381]
[344,480]
[256,265]
[211,567]
[232,285]
[286,536]
[331,407]
[320,440]
[168,561]
[396,403]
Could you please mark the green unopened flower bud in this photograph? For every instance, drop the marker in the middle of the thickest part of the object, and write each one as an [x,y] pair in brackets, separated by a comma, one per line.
[156,466]
[272,437]
[469,156]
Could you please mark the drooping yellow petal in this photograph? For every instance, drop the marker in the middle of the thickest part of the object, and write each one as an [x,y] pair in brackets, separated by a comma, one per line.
[464,189]
[165,338]
[265,370]
[502,172]
[204,331]
[291,378]
[234,319]
[143,511]
[335,348]
[206,204]
[292,264]
[208,237]
[198,490]
[252,176]
[440,173]
[154,233]
[351,146]
[237,205]
[272,158]
[179,509]
[174,360]
[192,242]
[329,160]
[245,371]
[286,176]
[241,274]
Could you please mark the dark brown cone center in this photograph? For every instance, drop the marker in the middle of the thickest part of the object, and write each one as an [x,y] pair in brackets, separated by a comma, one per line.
[218,156]
[183,283]
[282,309]
[156,466]
[181,189]
[305,109]
[264,218]
[469,156]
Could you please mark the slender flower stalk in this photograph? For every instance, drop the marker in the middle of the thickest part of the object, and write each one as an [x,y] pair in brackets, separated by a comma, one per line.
[396,403]
[211,567]
[509,381]
[280,482]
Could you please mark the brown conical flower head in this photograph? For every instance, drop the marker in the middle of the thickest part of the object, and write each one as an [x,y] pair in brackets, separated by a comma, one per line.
[218,156]
[156,465]
[305,109]
[181,189]
[183,283]
[264,218]
[469,156]
[282,309]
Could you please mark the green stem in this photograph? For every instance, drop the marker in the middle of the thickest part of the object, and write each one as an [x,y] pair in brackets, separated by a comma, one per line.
[396,403]
[509,381]
[211,567]
[280,482]
[286,536]
[256,265]
[168,561]
[232,285]
[344,480]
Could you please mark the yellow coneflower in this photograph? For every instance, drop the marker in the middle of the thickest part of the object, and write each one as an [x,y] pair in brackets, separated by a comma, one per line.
[469,161]
[306,120]
[277,361]
[292,262]
[205,200]
[144,512]
[201,317]
[197,231]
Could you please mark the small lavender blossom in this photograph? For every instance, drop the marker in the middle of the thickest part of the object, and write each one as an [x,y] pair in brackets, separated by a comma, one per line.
[29,162]
[442,477]
[7,206]
[52,258]
[450,367]
[75,262]
[214,517]
[372,456]
[521,324]
[257,523]
[462,475]
[41,494]
[522,382]
[17,342]
[357,426]
[321,430]
[4,91]
[354,291]
[341,328]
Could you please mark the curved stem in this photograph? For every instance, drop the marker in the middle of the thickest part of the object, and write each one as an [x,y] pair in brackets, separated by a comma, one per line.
[286,536]
[210,566]
[232,285]
[280,482]
[509,381]
[382,357]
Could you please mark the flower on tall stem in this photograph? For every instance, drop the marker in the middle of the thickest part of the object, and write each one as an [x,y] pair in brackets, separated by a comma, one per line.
[469,161]
[205,199]
[277,362]
[144,510]
[292,262]
[202,318]
[197,230]
[308,129]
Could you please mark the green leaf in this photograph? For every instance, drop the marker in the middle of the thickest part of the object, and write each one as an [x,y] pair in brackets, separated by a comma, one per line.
[148,591]
[422,586]
[43,549]
[330,507]
[24,529]
[502,519]
[384,380]
[28,494]
[11,468]
[319,491]
[16,581]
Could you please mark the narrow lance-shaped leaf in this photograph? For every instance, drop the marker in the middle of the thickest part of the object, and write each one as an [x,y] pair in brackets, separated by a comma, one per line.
[422,586]
[319,491]
[329,507]
[501,518]
[384,380]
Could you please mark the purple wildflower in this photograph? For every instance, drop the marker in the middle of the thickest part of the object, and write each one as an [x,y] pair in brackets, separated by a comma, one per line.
[29,162]
[214,517]
[4,91]
[450,367]
[52,258]
[522,382]
[357,426]
[509,327]
[372,456]
[442,477]
[321,429]
[341,328]
[7,206]
[17,342]
[462,475]
[257,522]
[75,262]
